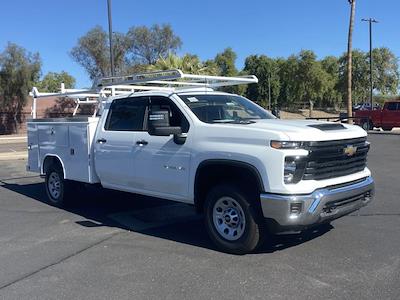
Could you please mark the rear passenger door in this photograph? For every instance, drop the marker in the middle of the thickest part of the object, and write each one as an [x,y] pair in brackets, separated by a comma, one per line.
[161,165]
[115,142]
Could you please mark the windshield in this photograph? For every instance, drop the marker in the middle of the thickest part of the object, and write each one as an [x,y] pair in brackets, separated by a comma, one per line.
[221,108]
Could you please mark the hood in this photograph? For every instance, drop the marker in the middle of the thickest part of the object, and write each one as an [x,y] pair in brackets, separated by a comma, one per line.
[310,130]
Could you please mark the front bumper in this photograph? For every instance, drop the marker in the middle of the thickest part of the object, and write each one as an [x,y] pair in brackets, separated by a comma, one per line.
[297,212]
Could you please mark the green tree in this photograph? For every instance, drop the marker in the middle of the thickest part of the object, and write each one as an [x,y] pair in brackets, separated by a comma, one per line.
[93,52]
[312,79]
[147,45]
[225,61]
[51,82]
[360,76]
[266,69]
[304,81]
[332,96]
[288,69]
[19,70]
[385,71]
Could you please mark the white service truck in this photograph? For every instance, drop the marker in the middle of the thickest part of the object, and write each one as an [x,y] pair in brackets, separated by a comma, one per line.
[176,138]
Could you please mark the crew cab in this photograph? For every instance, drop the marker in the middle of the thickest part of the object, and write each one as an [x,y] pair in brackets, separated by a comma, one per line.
[385,118]
[248,172]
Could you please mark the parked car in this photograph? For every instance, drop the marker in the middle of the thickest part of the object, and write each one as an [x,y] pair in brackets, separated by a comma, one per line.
[385,118]
[247,171]
[365,106]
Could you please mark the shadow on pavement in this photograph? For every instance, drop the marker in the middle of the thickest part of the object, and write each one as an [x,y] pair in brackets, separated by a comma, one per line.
[99,205]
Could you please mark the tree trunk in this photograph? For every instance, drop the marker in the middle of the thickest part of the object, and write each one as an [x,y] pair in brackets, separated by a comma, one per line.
[15,119]
[311,108]
[349,61]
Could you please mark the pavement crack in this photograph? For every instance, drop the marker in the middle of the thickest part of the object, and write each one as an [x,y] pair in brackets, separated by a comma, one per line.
[59,261]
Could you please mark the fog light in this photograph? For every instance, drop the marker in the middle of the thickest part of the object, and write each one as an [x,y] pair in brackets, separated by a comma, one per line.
[293,169]
[296,208]
[289,170]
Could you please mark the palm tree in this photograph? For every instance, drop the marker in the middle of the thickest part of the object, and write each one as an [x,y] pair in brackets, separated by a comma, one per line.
[349,59]
[187,63]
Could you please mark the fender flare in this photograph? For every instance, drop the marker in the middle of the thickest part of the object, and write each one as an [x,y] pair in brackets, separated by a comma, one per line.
[226,162]
[58,158]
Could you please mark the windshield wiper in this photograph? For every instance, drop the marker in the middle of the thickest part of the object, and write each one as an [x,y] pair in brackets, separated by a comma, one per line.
[230,121]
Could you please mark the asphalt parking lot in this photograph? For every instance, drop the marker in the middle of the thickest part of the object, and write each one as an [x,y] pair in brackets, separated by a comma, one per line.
[119,246]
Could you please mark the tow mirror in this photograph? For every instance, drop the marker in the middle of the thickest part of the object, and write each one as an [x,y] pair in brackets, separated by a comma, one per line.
[159,125]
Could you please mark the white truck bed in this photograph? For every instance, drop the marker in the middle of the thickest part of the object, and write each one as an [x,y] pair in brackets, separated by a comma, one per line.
[69,139]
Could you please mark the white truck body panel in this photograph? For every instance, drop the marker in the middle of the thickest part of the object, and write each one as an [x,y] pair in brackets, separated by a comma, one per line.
[68,140]
[164,169]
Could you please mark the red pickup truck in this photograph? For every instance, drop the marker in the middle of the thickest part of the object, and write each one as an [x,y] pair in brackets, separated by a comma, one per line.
[386,118]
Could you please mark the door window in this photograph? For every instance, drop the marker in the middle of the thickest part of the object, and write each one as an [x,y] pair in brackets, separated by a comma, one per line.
[176,117]
[127,114]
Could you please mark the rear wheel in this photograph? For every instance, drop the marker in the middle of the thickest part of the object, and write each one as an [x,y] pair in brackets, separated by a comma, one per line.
[233,221]
[58,189]
[387,128]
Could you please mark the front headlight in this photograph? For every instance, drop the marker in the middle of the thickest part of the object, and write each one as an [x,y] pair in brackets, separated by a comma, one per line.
[286,145]
[293,169]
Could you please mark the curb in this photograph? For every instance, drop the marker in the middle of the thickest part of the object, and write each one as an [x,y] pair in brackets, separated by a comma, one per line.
[12,140]
[13,137]
[383,132]
[13,155]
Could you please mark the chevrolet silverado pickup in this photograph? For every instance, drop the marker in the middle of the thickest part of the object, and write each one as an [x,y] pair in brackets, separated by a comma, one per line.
[248,172]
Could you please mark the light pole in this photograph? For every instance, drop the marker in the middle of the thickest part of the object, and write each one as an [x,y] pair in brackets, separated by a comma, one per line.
[110,38]
[269,90]
[370,21]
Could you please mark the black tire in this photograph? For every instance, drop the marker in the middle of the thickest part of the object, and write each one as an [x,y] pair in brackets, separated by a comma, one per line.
[366,125]
[387,128]
[59,191]
[253,233]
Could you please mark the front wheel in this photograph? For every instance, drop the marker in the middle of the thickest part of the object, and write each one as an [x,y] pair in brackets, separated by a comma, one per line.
[366,125]
[233,221]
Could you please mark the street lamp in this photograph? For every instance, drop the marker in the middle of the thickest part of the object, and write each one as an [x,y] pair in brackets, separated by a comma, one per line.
[110,38]
[370,21]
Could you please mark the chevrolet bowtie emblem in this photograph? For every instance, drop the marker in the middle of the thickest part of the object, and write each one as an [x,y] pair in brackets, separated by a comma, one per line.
[350,150]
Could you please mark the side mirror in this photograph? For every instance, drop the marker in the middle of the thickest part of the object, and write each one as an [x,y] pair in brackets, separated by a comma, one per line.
[158,123]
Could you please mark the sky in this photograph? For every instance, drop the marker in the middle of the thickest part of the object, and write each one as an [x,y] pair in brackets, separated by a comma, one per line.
[206,27]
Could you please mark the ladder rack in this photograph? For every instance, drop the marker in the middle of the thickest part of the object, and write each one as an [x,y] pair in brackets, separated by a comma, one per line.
[169,80]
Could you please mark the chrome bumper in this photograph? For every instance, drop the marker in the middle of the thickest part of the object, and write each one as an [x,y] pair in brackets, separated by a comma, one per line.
[322,205]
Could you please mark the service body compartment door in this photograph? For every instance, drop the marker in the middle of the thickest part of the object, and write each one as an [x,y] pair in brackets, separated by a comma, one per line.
[78,158]
[33,148]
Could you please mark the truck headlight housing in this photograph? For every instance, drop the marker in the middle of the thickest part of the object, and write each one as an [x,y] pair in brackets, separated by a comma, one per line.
[286,145]
[293,169]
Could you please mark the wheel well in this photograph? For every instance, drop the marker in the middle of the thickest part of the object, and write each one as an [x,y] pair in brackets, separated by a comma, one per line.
[51,161]
[211,173]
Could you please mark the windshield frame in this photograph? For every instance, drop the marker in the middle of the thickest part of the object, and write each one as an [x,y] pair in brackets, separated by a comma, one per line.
[262,113]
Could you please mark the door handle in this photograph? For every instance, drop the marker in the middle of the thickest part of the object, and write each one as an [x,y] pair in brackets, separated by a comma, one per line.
[101,141]
[142,142]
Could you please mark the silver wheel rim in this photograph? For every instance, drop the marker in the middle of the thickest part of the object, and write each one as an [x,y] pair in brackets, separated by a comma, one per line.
[229,219]
[54,185]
